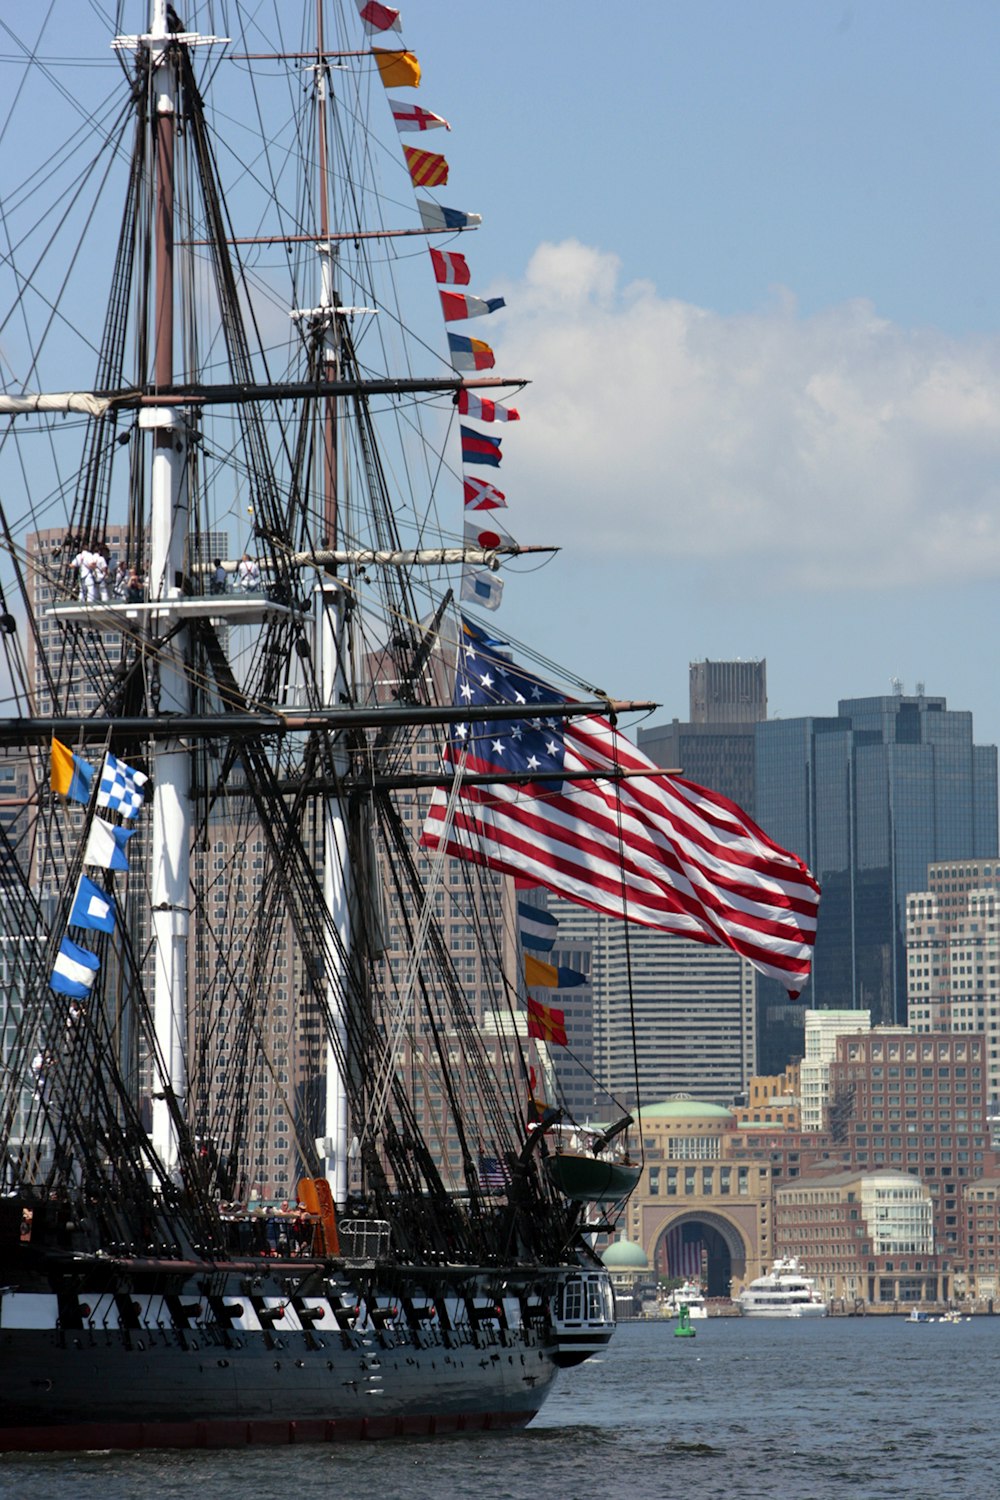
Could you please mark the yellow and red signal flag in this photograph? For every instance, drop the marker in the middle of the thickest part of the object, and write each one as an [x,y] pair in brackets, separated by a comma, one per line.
[547,1023]
[427,168]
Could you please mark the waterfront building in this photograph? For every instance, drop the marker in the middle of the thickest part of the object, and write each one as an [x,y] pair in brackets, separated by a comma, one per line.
[865,1237]
[981,1221]
[631,1277]
[697,1213]
[917,1104]
[868,798]
[953,956]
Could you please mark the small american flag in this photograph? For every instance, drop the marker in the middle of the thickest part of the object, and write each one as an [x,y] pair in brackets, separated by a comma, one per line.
[493,1174]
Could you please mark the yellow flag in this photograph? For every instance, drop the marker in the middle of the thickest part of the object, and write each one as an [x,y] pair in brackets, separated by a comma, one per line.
[398,69]
[62,767]
[70,775]
[538,973]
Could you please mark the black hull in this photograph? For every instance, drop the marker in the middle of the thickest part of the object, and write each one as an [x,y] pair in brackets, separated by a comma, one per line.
[131,1365]
[64,1393]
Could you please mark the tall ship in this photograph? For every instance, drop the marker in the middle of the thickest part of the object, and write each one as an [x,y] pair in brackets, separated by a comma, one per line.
[282,1157]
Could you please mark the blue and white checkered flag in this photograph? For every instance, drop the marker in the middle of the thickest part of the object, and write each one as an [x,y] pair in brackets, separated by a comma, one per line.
[121,787]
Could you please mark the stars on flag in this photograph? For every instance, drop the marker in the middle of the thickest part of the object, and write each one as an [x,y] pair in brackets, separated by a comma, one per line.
[485,676]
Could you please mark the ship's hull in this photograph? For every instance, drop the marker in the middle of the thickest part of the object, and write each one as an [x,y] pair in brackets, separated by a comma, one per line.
[99,1391]
[788,1310]
[402,1356]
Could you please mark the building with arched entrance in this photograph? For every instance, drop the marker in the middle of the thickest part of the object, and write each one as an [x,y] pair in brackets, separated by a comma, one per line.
[696,1214]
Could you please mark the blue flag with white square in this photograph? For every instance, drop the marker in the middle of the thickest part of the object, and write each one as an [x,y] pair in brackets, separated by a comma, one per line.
[75,971]
[92,908]
[121,788]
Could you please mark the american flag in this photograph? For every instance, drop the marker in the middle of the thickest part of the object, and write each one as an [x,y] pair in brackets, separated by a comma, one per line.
[684,1252]
[654,849]
[493,1174]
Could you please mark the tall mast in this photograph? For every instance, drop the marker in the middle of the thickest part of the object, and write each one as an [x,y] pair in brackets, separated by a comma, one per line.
[168,542]
[331,352]
[330,602]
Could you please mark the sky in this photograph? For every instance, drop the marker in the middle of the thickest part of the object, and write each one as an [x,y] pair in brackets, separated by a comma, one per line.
[750,254]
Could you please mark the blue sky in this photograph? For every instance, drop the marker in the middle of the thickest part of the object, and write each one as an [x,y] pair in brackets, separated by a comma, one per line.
[750,253]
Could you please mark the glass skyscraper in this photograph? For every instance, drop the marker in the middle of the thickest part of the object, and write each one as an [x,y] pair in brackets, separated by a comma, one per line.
[868,799]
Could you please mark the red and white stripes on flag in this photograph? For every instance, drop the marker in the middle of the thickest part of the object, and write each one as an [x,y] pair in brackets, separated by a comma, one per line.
[683,1254]
[450,268]
[484,410]
[653,849]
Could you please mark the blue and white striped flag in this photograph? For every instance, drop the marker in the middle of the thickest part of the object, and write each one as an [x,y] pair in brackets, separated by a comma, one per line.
[538,929]
[74,971]
[121,787]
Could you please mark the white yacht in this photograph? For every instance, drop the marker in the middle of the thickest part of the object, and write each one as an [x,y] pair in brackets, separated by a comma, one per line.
[783,1293]
[691,1296]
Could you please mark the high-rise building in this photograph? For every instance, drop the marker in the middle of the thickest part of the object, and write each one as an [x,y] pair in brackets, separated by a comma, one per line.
[953,956]
[669,1016]
[715,746]
[868,799]
[728,692]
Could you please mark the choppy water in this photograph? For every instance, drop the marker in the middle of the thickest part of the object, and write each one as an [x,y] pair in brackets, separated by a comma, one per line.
[871,1408]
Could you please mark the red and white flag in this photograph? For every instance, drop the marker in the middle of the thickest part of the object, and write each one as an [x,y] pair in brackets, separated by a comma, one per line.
[455,305]
[481,495]
[378,17]
[646,846]
[450,267]
[487,534]
[484,410]
[414,117]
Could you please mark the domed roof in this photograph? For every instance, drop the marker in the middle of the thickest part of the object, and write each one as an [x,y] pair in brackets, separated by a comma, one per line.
[683,1107]
[623,1255]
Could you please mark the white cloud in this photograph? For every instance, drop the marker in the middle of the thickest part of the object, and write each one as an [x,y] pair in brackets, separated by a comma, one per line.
[827,450]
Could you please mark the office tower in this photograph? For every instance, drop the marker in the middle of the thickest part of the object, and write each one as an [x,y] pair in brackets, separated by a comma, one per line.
[728,692]
[690,1027]
[716,746]
[868,799]
[953,956]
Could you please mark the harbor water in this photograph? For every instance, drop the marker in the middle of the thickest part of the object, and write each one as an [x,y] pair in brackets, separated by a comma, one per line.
[867,1407]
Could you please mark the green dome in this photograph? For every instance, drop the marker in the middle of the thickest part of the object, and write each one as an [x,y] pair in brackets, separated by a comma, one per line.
[681,1107]
[623,1255]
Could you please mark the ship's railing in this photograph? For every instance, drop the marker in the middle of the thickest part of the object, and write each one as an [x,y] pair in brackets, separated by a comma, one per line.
[363,1239]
